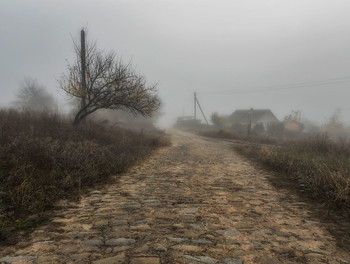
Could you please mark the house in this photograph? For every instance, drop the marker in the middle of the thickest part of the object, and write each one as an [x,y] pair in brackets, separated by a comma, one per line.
[253,117]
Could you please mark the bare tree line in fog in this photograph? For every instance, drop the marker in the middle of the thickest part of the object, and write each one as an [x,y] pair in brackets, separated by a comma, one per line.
[96,81]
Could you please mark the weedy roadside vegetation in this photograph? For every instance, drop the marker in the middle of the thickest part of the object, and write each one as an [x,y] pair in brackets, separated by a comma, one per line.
[227,134]
[43,158]
[320,165]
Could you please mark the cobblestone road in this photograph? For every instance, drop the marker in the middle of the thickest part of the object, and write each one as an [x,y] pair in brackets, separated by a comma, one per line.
[193,202]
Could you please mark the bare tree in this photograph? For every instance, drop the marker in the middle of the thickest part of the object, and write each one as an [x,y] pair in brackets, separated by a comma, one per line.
[220,121]
[102,81]
[335,127]
[33,96]
[295,115]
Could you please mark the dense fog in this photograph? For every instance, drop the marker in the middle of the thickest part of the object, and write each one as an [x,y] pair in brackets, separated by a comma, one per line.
[279,55]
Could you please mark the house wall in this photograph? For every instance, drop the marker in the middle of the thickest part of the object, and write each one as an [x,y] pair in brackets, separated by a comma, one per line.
[268,118]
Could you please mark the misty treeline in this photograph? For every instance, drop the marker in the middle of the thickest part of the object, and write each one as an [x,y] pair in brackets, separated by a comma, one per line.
[333,127]
[33,96]
[100,86]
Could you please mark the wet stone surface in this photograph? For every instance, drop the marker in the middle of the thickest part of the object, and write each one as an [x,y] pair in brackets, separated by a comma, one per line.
[193,202]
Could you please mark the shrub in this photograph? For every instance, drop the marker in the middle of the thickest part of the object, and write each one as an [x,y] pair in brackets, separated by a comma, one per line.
[229,134]
[43,158]
[321,166]
[239,128]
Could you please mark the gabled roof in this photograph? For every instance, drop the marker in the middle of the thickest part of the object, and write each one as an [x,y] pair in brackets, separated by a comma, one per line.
[257,116]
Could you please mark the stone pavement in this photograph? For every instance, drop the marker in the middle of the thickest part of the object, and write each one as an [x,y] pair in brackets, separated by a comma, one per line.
[194,202]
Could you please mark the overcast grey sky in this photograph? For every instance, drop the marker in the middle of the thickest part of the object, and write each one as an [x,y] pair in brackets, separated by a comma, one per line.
[234,54]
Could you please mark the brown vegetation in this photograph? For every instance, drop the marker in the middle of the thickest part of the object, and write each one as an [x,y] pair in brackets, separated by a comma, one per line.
[43,158]
[229,134]
[320,165]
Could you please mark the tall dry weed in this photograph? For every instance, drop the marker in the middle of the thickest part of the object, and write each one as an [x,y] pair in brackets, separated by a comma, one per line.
[43,158]
[320,165]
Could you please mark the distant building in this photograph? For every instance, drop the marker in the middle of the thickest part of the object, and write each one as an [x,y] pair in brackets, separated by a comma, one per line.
[187,121]
[259,116]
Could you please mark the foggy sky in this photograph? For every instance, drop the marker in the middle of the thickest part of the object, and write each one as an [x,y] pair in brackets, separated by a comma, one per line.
[234,54]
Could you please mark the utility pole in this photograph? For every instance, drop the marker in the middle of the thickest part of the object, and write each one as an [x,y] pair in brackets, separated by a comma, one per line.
[195,105]
[83,67]
[200,108]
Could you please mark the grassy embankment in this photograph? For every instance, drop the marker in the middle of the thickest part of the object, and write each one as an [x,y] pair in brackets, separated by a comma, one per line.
[319,165]
[43,159]
[226,134]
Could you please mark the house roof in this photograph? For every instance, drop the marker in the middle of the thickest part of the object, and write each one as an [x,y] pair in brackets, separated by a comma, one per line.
[257,116]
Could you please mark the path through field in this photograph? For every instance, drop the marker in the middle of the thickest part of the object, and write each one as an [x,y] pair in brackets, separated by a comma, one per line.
[193,202]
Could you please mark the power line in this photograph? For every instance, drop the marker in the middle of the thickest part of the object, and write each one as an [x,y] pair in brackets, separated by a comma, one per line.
[308,84]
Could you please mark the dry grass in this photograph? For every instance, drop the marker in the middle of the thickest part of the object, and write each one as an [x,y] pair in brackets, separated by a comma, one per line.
[227,134]
[43,159]
[320,166]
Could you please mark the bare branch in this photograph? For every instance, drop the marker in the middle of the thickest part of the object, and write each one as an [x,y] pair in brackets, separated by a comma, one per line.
[33,96]
[110,84]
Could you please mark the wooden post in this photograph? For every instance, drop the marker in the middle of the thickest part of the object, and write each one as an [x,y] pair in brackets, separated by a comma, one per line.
[83,68]
[195,105]
[200,108]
